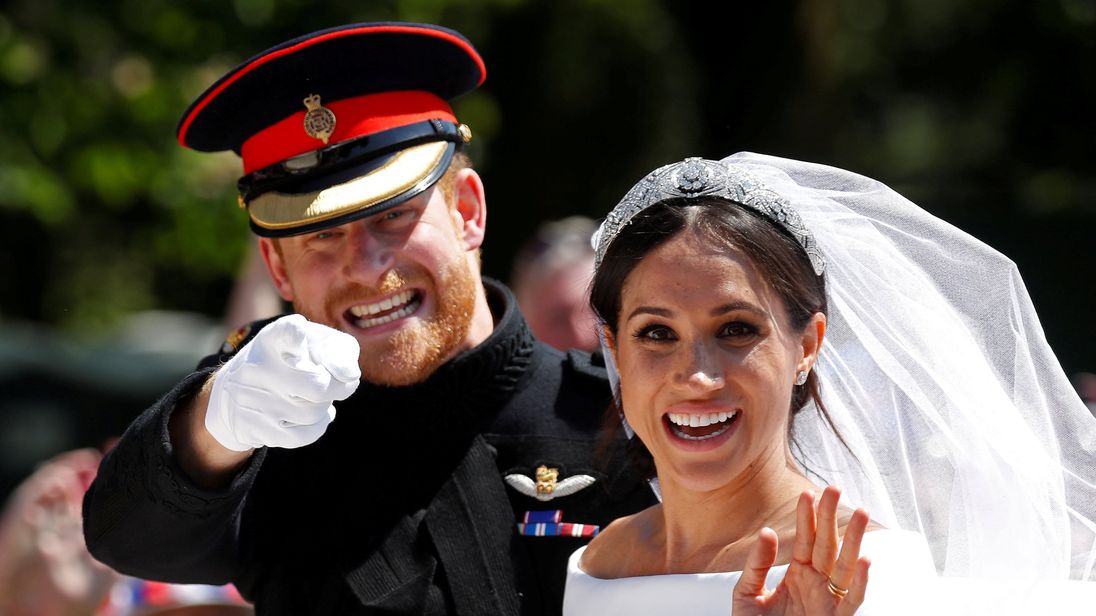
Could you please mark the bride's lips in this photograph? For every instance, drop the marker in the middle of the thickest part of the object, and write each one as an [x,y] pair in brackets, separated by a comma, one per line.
[386,312]
[700,429]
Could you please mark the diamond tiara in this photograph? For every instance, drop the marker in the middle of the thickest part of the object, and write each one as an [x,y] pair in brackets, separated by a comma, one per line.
[694,178]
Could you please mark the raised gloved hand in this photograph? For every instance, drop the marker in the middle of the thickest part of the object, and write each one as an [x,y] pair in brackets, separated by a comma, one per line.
[277,391]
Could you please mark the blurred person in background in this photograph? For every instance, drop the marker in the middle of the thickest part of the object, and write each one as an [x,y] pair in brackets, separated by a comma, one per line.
[46,570]
[551,273]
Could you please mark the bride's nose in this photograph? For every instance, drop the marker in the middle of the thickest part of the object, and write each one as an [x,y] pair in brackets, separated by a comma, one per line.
[700,370]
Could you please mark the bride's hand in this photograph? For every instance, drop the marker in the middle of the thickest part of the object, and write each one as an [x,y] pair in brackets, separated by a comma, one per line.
[819,581]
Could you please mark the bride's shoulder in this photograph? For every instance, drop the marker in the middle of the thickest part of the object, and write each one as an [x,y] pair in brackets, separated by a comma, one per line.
[620,544]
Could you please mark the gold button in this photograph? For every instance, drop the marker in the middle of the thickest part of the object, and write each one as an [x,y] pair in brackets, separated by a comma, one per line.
[465,132]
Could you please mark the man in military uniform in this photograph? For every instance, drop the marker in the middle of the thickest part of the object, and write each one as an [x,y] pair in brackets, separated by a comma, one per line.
[400,444]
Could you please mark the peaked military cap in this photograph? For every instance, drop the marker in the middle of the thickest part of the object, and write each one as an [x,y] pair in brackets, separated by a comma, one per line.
[338,124]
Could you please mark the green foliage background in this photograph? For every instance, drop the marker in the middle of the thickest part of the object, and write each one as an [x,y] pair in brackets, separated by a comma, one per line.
[980,110]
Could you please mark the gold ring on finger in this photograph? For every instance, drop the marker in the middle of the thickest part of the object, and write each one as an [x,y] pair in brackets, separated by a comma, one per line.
[836,590]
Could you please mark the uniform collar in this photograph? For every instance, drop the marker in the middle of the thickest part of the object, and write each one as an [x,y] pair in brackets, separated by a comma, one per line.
[473,385]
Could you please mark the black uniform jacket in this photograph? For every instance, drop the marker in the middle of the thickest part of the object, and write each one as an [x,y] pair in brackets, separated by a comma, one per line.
[401,507]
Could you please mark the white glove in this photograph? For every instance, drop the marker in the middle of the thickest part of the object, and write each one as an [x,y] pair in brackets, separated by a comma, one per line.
[278,389]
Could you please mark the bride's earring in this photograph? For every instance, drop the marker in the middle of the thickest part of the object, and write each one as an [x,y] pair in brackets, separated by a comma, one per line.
[801,377]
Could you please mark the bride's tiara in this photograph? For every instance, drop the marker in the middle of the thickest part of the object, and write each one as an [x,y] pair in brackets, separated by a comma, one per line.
[694,178]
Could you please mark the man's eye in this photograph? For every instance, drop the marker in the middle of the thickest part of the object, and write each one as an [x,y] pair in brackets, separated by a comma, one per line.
[396,220]
[394,214]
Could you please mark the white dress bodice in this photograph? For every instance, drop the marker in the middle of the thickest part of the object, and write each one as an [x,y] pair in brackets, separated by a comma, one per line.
[901,567]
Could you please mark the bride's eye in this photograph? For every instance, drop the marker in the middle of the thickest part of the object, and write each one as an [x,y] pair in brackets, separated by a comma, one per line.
[737,330]
[655,333]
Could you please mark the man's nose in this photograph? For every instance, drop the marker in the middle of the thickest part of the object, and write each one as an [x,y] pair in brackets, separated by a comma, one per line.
[368,256]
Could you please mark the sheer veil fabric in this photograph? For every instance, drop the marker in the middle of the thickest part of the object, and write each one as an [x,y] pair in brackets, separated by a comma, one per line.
[960,422]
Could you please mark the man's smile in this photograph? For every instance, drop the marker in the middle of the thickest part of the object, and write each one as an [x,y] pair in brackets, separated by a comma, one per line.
[396,306]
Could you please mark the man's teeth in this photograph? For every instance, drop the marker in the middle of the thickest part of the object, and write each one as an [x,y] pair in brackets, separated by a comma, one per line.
[400,299]
[699,421]
[401,302]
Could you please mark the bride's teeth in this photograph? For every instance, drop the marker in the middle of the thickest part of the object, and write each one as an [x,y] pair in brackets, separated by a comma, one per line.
[700,421]
[681,420]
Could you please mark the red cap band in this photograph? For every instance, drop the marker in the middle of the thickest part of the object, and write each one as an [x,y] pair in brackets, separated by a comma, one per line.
[354,117]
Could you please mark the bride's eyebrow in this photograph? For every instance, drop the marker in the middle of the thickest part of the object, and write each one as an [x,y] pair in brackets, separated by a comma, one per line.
[737,306]
[658,312]
[715,312]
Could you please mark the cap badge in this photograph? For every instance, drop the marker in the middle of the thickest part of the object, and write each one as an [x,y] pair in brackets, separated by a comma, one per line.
[319,122]
[547,484]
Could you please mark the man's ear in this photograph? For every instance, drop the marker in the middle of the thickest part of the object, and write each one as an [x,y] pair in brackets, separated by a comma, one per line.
[470,209]
[275,264]
[813,335]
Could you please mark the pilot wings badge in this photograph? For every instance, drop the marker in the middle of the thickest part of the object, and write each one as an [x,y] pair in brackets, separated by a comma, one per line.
[548,485]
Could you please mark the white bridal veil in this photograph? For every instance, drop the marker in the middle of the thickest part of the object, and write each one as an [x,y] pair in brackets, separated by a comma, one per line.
[935,370]
[960,421]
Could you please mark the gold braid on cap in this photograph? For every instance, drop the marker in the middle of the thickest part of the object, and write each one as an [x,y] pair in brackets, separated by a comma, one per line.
[694,178]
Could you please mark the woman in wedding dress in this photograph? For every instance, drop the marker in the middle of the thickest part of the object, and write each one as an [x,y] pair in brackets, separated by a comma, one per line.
[772,326]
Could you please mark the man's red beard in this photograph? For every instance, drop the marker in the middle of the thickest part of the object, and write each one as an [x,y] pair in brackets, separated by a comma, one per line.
[412,354]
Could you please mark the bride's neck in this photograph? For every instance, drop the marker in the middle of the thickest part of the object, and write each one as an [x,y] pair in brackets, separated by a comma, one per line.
[702,528]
